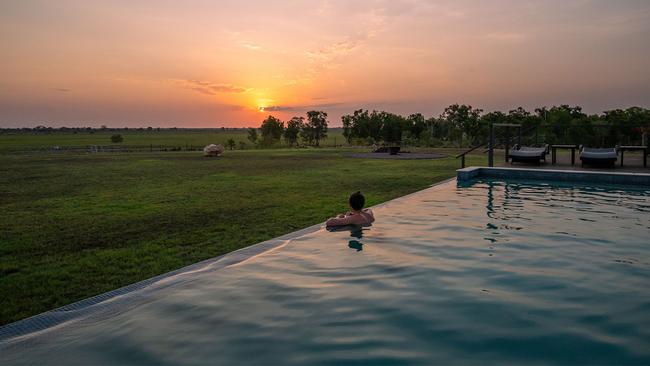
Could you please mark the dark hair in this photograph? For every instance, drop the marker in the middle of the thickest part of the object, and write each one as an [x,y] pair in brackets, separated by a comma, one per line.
[357,200]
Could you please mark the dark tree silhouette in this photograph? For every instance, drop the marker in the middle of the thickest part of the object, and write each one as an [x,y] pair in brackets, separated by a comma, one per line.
[230,143]
[316,127]
[272,130]
[252,135]
[293,130]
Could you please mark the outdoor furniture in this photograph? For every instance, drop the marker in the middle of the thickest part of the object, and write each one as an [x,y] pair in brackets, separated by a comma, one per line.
[528,154]
[593,156]
[644,149]
[573,148]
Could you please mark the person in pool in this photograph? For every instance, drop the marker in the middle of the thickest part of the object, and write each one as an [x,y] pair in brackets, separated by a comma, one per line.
[358,216]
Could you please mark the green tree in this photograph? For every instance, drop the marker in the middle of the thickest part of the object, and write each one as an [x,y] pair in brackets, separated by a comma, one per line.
[293,130]
[416,124]
[272,130]
[116,139]
[230,143]
[252,135]
[359,125]
[316,127]
[465,120]
[391,128]
[347,127]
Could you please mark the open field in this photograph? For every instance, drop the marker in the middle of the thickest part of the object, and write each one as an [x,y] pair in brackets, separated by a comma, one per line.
[76,225]
[132,137]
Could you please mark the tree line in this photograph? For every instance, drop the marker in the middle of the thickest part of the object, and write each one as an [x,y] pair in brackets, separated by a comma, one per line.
[310,130]
[462,125]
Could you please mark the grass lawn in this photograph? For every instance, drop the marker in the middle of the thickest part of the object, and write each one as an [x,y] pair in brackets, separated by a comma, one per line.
[182,138]
[73,226]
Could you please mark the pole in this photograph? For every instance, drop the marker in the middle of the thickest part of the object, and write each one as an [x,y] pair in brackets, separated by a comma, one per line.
[491,146]
[507,143]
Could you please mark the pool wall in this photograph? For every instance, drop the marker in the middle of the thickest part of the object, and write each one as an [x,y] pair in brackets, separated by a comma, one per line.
[470,173]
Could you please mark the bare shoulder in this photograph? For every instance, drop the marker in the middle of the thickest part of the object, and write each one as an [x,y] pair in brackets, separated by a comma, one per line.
[369,214]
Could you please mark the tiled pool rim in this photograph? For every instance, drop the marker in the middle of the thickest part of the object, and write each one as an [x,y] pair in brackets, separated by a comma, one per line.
[605,177]
[78,310]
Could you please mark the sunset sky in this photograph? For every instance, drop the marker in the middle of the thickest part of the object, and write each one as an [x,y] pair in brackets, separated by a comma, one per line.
[231,63]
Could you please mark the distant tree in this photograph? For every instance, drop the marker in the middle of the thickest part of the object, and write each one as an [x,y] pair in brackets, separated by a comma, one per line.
[374,123]
[103,127]
[252,135]
[359,126]
[416,124]
[347,127]
[316,127]
[391,128]
[230,143]
[242,145]
[293,130]
[494,117]
[116,139]
[464,119]
[272,130]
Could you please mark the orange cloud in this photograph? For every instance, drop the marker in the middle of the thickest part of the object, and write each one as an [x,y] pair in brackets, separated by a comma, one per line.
[211,88]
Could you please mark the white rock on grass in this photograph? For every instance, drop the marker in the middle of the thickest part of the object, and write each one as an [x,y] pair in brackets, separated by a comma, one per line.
[213,150]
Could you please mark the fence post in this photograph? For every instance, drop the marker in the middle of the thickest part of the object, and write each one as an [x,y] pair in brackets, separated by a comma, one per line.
[462,161]
[507,143]
[491,146]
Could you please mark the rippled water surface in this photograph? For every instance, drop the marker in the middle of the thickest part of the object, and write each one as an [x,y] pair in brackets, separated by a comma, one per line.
[493,272]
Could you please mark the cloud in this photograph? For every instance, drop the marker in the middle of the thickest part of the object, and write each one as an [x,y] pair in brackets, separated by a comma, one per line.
[369,25]
[328,53]
[62,90]
[276,108]
[211,88]
[251,46]
[284,108]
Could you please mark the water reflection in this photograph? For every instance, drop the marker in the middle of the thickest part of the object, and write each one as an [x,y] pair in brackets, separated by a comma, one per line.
[356,232]
[355,244]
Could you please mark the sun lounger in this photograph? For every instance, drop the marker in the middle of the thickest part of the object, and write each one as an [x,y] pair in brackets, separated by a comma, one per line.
[528,154]
[592,156]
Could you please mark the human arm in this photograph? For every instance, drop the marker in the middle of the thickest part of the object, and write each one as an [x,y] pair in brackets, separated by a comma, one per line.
[341,221]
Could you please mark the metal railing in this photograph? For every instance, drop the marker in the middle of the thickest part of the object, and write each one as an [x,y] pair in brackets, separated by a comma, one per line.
[462,155]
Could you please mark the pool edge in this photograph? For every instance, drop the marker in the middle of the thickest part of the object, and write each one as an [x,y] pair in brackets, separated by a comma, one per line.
[638,179]
[15,331]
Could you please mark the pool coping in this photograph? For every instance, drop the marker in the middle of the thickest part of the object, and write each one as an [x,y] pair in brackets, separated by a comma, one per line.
[79,310]
[638,179]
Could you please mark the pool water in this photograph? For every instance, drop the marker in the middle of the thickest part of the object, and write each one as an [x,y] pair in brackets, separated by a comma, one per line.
[490,272]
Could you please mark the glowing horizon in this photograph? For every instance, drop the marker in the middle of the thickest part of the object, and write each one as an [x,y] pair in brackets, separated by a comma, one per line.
[213,64]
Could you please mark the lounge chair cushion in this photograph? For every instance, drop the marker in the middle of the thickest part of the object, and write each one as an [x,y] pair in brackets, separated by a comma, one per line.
[591,153]
[528,152]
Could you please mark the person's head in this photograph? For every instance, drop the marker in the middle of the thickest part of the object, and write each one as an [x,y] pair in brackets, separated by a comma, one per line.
[357,200]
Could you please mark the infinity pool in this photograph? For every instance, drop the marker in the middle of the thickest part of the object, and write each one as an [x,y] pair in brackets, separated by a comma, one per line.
[492,272]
